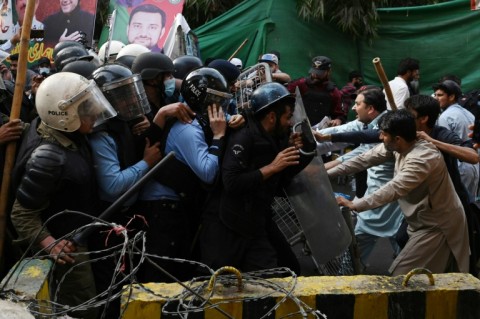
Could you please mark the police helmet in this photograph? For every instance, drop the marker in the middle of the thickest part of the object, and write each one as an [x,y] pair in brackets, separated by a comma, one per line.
[150,64]
[114,48]
[82,67]
[228,70]
[268,94]
[203,87]
[110,72]
[128,53]
[65,99]
[70,54]
[123,89]
[65,44]
[184,65]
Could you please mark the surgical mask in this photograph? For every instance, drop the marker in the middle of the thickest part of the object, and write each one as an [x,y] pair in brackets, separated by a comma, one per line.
[44,71]
[169,87]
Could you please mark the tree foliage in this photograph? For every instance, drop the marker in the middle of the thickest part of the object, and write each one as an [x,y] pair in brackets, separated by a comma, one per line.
[197,12]
[356,17]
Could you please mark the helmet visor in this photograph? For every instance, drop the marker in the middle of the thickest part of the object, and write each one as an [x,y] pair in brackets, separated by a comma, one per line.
[218,97]
[128,97]
[91,105]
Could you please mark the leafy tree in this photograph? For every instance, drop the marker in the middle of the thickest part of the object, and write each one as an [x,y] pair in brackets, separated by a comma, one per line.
[357,17]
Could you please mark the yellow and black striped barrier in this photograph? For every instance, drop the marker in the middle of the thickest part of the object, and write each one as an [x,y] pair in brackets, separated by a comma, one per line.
[28,281]
[452,295]
[414,296]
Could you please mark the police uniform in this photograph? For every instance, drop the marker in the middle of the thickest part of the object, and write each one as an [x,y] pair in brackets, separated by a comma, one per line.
[170,201]
[58,175]
[241,233]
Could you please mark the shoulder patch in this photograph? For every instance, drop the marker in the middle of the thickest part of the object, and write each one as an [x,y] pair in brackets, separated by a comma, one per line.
[237,149]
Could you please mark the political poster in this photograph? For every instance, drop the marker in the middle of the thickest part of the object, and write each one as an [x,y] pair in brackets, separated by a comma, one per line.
[475,4]
[145,22]
[60,21]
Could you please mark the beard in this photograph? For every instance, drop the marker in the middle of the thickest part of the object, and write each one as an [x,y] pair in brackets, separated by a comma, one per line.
[280,131]
[389,147]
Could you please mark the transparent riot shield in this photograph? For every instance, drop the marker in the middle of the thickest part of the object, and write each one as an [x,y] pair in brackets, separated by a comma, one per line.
[311,196]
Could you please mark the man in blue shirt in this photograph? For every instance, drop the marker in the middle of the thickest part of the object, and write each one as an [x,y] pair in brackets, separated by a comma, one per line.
[385,220]
[172,201]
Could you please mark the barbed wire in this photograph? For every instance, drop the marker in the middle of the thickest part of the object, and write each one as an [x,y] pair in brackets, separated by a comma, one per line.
[195,297]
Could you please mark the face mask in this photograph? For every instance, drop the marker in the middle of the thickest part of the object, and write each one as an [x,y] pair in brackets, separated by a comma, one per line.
[44,70]
[169,87]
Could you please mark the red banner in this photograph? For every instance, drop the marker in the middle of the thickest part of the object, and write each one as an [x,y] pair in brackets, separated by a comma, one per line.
[475,4]
[61,20]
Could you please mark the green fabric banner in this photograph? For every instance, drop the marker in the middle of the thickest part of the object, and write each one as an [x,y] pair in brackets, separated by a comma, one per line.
[444,37]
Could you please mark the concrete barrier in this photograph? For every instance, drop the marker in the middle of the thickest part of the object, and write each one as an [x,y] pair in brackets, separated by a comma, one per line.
[28,282]
[453,295]
[360,297]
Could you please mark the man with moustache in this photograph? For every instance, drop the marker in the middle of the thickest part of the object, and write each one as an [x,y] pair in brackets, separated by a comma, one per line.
[146,26]
[383,221]
[320,96]
[437,228]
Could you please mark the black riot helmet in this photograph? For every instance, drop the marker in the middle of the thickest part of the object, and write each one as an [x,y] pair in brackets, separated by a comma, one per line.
[268,94]
[110,72]
[150,64]
[65,44]
[70,54]
[184,65]
[82,67]
[123,89]
[203,87]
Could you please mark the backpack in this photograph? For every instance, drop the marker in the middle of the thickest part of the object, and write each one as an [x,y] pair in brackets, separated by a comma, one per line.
[471,101]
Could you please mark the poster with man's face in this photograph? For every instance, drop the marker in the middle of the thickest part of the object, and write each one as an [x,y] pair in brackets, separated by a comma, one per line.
[144,22]
[60,20]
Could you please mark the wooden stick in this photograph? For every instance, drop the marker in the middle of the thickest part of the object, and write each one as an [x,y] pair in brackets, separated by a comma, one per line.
[239,48]
[383,78]
[15,114]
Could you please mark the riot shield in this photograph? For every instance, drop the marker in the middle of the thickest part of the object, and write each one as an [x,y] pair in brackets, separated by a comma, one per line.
[311,196]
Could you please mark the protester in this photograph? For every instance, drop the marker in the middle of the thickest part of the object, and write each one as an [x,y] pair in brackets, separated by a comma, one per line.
[320,96]
[277,75]
[385,220]
[408,70]
[436,221]
[349,92]
[10,73]
[457,119]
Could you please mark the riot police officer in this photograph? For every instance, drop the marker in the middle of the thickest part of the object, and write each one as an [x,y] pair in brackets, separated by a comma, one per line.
[257,160]
[54,173]
[171,201]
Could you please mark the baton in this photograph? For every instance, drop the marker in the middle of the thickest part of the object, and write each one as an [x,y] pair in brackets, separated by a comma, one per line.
[81,238]
[15,114]
[383,78]
[239,48]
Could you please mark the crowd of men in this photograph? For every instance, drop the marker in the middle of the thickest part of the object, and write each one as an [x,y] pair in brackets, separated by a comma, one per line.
[96,129]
